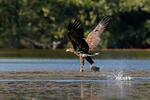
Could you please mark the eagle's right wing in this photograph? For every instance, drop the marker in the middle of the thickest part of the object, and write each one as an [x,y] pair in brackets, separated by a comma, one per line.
[93,38]
[76,35]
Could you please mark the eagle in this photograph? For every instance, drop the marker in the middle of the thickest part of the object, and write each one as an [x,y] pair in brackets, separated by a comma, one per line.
[81,46]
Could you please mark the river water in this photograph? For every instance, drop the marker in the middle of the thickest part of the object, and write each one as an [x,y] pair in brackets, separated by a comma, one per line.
[18,64]
[110,88]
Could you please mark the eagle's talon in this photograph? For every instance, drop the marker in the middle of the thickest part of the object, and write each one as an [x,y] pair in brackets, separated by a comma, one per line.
[91,67]
[81,70]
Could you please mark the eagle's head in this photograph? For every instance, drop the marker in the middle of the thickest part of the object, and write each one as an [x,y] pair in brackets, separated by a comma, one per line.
[67,50]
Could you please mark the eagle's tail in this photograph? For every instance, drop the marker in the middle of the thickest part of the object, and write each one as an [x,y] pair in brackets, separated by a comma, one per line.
[93,54]
[89,54]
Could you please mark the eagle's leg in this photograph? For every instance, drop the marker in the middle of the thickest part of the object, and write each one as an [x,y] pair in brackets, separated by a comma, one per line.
[89,59]
[82,63]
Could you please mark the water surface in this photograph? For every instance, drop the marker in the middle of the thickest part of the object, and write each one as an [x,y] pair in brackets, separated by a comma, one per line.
[74,90]
[33,85]
[18,64]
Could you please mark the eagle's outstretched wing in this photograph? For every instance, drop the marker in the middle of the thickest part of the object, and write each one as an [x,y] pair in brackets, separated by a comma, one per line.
[94,37]
[76,35]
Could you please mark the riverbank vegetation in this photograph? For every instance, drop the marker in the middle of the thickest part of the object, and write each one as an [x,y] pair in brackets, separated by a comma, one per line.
[45,21]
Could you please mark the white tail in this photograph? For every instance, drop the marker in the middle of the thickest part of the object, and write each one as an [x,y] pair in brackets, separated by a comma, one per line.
[93,54]
[96,54]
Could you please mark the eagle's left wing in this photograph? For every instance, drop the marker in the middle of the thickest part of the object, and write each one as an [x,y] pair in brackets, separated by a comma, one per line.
[93,38]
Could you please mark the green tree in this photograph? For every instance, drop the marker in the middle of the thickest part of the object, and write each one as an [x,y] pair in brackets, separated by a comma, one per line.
[46,21]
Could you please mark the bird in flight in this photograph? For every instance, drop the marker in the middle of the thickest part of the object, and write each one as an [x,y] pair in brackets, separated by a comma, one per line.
[82,47]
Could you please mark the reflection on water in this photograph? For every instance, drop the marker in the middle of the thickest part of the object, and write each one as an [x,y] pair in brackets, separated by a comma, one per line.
[92,96]
[82,90]
[116,90]
[106,91]
[77,90]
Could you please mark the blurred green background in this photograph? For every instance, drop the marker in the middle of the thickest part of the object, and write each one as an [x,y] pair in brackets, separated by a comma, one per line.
[42,23]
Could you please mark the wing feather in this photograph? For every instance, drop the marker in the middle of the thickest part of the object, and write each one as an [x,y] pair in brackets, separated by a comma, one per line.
[76,35]
[93,38]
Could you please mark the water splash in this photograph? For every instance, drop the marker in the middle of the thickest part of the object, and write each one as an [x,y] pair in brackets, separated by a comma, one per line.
[121,77]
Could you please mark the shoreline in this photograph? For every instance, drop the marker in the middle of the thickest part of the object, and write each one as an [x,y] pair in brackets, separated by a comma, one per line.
[61,54]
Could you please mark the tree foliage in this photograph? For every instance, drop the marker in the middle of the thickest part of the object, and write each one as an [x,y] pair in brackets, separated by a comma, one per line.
[46,20]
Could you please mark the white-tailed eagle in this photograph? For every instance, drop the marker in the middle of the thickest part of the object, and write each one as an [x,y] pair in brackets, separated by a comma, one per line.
[81,47]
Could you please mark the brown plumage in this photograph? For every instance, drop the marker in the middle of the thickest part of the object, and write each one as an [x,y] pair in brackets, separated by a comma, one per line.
[81,47]
[93,38]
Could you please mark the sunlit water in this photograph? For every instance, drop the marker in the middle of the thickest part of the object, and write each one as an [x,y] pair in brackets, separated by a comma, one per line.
[117,86]
[18,64]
